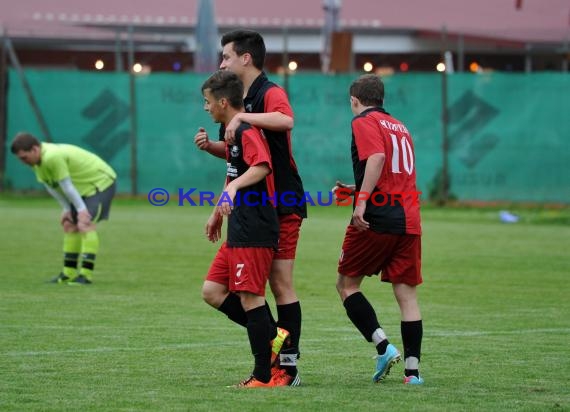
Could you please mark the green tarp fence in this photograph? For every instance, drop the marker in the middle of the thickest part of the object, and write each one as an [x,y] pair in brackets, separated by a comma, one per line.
[509,134]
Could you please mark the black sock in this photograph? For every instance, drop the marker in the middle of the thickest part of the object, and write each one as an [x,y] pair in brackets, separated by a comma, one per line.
[271,318]
[258,326]
[412,372]
[70,264]
[362,314]
[382,346]
[233,309]
[290,319]
[412,333]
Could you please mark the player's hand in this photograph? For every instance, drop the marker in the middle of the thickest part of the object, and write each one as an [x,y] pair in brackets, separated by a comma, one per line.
[339,185]
[201,139]
[83,220]
[66,217]
[358,216]
[227,204]
[231,127]
[214,226]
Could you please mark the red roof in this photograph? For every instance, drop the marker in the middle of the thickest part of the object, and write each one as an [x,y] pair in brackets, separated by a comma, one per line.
[535,21]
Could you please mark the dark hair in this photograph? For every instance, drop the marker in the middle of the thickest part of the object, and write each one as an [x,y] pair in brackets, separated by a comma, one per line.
[226,84]
[247,41]
[24,141]
[369,89]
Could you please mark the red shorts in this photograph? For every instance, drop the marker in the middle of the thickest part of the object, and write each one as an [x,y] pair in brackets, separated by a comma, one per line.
[289,227]
[242,269]
[368,253]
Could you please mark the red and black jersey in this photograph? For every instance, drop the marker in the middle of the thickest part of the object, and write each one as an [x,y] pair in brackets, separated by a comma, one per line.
[253,221]
[393,207]
[264,97]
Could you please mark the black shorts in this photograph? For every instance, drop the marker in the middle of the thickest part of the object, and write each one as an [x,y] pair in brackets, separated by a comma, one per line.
[98,205]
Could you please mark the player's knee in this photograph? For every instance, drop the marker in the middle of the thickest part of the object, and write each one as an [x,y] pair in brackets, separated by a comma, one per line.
[212,296]
[343,293]
[340,288]
[344,288]
[89,227]
[280,286]
[283,291]
[208,296]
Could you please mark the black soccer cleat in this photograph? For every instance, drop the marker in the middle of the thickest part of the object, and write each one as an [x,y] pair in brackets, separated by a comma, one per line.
[61,278]
[79,280]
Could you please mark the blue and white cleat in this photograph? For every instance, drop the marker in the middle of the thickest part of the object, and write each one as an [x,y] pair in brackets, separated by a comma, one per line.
[413,380]
[385,362]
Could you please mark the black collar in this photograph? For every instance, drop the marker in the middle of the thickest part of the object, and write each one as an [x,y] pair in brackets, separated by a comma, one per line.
[256,86]
[374,109]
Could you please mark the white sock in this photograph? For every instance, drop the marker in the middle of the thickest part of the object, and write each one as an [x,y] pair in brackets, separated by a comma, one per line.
[412,363]
[378,336]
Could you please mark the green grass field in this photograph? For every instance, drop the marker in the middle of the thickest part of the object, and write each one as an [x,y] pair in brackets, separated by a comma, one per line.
[495,301]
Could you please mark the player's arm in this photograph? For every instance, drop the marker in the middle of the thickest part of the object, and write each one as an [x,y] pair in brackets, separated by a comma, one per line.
[217,149]
[72,194]
[374,165]
[271,121]
[277,115]
[202,142]
[59,197]
[57,168]
[251,176]
[214,224]
[348,190]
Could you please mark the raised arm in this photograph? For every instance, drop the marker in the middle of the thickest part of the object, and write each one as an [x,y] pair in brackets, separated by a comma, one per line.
[202,142]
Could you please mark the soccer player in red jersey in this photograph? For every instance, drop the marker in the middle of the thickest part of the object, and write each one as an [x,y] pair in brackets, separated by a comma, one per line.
[383,236]
[267,107]
[243,262]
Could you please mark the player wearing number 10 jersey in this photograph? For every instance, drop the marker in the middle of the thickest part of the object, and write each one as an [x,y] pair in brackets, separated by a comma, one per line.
[382,237]
[375,131]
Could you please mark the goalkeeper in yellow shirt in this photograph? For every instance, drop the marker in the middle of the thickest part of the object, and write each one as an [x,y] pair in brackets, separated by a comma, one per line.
[84,185]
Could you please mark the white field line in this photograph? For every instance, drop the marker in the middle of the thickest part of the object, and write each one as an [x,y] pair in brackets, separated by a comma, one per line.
[185,346]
